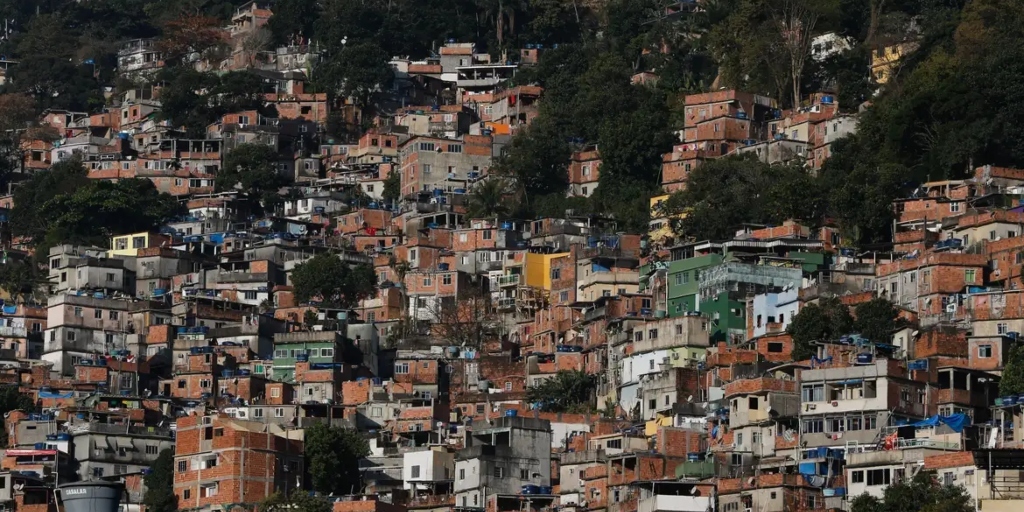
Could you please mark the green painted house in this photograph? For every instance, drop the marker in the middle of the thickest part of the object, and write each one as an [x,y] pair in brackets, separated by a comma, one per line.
[315,347]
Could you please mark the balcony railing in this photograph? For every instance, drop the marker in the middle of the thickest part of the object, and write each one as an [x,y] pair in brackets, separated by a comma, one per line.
[508,280]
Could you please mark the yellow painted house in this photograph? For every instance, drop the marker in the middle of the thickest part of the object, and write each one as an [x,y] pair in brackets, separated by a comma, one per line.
[538,269]
[129,245]
[660,226]
[886,60]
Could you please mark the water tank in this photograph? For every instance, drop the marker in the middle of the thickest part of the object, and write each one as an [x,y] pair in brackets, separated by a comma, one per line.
[91,496]
[511,413]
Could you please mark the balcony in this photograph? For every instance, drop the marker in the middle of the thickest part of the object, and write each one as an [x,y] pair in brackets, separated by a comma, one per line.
[506,303]
[675,504]
[13,331]
[242,277]
[696,469]
[508,280]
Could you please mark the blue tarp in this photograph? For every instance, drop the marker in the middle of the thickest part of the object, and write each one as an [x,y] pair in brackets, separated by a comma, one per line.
[51,394]
[956,422]
[808,468]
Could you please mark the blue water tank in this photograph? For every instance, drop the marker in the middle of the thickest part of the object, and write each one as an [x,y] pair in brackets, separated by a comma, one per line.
[506,226]
[511,413]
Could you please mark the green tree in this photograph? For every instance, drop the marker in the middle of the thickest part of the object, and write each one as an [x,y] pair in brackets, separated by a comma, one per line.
[293,21]
[101,209]
[392,187]
[18,278]
[567,391]
[28,218]
[1011,382]
[825,321]
[12,399]
[332,283]
[184,98]
[50,70]
[357,71]
[159,482]
[332,456]
[923,493]
[488,199]
[877,319]
[298,501]
[252,168]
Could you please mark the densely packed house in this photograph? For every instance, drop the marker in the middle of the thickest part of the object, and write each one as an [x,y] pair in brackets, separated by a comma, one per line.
[193,337]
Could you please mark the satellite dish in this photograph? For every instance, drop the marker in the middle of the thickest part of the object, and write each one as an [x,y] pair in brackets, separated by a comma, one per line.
[689,399]
[769,409]
[789,435]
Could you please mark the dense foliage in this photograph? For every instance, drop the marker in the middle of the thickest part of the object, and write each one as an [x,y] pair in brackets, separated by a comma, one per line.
[12,399]
[923,493]
[62,205]
[566,391]
[948,107]
[159,482]
[827,320]
[332,283]
[332,457]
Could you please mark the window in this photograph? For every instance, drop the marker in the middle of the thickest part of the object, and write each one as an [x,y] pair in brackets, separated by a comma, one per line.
[462,474]
[376,412]
[427,146]
[186,494]
[250,295]
[113,314]
[652,334]
[427,281]
[857,477]
[78,312]
[679,279]
[878,477]
[401,368]
[508,386]
[870,422]
[556,273]
[446,279]
[327,352]
[415,471]
[1002,328]
[71,335]
[992,235]
[182,466]
[813,393]
[814,426]
[499,472]
[614,443]
[524,474]
[454,148]
[969,275]
[279,412]
[479,408]
[257,413]
[487,234]
[208,491]
[985,351]
[138,242]
[98,314]
[739,438]
[853,423]
[954,207]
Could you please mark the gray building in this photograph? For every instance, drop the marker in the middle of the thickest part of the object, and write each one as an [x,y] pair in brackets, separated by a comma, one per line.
[501,458]
[103,450]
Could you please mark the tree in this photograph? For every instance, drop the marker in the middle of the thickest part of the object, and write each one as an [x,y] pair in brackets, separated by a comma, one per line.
[159,482]
[724,193]
[567,391]
[356,70]
[468,320]
[1011,382]
[796,21]
[293,21]
[488,199]
[392,187]
[258,41]
[101,209]
[298,501]
[332,456]
[252,168]
[877,319]
[184,98]
[12,399]
[49,69]
[18,278]
[28,218]
[332,283]
[826,321]
[190,37]
[923,493]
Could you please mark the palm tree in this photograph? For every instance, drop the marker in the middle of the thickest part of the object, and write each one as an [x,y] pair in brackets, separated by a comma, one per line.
[488,199]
